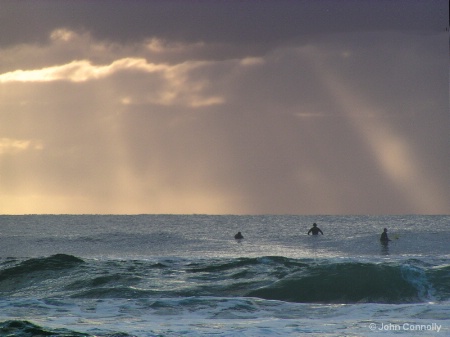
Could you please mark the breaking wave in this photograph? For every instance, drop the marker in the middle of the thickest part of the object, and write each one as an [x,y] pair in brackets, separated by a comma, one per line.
[272,278]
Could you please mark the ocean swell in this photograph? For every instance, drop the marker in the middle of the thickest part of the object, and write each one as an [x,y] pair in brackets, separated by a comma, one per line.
[351,282]
[271,278]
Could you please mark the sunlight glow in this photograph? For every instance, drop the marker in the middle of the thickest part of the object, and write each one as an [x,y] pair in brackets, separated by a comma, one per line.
[252,61]
[62,34]
[391,151]
[79,71]
[178,87]
[156,45]
[9,146]
[126,135]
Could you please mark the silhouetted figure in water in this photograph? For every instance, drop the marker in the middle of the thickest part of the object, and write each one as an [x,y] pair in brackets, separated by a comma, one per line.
[315,230]
[238,236]
[384,237]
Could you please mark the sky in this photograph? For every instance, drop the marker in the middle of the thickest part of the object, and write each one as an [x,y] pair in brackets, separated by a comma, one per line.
[224,107]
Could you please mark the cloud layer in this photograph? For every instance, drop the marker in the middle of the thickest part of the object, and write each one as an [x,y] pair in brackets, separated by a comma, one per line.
[271,114]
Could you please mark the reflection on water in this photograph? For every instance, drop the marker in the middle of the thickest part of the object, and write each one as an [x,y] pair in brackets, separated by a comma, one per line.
[384,247]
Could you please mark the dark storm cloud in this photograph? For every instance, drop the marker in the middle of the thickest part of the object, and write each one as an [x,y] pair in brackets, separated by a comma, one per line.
[259,23]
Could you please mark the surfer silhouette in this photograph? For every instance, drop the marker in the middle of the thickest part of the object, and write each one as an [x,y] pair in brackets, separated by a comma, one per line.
[315,230]
[384,237]
[238,236]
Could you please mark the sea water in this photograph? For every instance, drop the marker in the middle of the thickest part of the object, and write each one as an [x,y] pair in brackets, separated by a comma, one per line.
[186,275]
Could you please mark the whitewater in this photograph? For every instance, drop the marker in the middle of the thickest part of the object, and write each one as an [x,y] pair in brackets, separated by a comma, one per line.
[186,275]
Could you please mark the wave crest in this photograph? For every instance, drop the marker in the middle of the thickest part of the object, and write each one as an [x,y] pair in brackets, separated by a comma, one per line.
[350,283]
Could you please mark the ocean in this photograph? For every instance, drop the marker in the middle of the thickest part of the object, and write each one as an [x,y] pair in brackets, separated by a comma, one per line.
[186,275]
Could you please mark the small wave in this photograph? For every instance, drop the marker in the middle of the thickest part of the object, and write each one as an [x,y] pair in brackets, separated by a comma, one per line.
[51,263]
[115,293]
[32,273]
[102,281]
[27,329]
[220,265]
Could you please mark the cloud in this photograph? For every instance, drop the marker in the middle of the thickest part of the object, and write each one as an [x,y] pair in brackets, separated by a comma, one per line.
[259,23]
[175,85]
[12,146]
[261,117]
[79,71]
